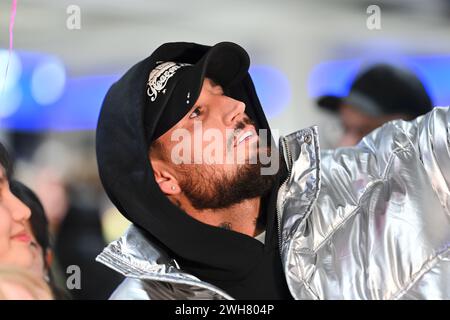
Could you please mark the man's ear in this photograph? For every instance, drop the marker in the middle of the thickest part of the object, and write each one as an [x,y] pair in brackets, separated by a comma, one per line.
[164,178]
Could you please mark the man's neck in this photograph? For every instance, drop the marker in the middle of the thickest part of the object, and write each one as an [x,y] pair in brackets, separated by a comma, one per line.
[241,217]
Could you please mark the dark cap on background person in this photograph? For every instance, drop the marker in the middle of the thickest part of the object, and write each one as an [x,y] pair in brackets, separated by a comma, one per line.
[381,90]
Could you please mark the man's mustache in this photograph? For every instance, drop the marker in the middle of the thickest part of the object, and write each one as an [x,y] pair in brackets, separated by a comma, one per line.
[237,130]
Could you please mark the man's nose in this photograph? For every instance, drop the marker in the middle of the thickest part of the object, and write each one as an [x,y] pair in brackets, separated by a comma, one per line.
[234,111]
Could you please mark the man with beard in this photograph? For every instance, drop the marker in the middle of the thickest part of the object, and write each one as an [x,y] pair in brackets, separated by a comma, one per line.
[220,217]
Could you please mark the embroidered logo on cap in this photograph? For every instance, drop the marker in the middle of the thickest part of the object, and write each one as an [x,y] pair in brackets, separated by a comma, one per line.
[159,76]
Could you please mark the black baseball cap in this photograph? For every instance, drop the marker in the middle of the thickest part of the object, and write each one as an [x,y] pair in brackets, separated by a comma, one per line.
[175,80]
[383,89]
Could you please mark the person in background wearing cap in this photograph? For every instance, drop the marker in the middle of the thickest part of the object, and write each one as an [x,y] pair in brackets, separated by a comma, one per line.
[368,222]
[379,94]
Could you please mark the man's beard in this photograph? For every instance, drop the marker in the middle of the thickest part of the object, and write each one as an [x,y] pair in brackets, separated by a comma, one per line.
[208,187]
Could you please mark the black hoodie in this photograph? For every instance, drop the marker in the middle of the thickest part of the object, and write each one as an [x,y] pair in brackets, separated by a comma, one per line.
[241,265]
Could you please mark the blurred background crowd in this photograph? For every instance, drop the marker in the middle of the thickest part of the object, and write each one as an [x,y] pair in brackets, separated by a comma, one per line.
[341,65]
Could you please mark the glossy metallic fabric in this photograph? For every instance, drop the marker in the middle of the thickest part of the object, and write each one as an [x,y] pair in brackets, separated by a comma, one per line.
[379,226]
[150,273]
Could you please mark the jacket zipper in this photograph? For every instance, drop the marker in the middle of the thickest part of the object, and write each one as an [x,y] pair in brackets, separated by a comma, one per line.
[288,157]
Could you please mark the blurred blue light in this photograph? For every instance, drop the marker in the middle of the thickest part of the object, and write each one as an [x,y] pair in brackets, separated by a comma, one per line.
[434,71]
[76,105]
[335,77]
[80,106]
[332,78]
[47,81]
[10,91]
[70,103]
[10,100]
[273,89]
[77,109]
[14,70]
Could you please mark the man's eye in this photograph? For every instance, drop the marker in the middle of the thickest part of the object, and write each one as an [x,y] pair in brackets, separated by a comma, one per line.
[197,111]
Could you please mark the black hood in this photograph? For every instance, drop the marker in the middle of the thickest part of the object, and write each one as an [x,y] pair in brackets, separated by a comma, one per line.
[128,178]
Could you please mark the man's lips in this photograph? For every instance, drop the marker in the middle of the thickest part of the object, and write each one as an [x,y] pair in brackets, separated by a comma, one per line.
[22,236]
[247,133]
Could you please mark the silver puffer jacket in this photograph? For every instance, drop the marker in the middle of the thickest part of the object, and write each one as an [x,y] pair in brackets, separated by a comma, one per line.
[369,222]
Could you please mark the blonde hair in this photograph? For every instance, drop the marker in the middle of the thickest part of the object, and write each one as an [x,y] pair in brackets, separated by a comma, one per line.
[28,286]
